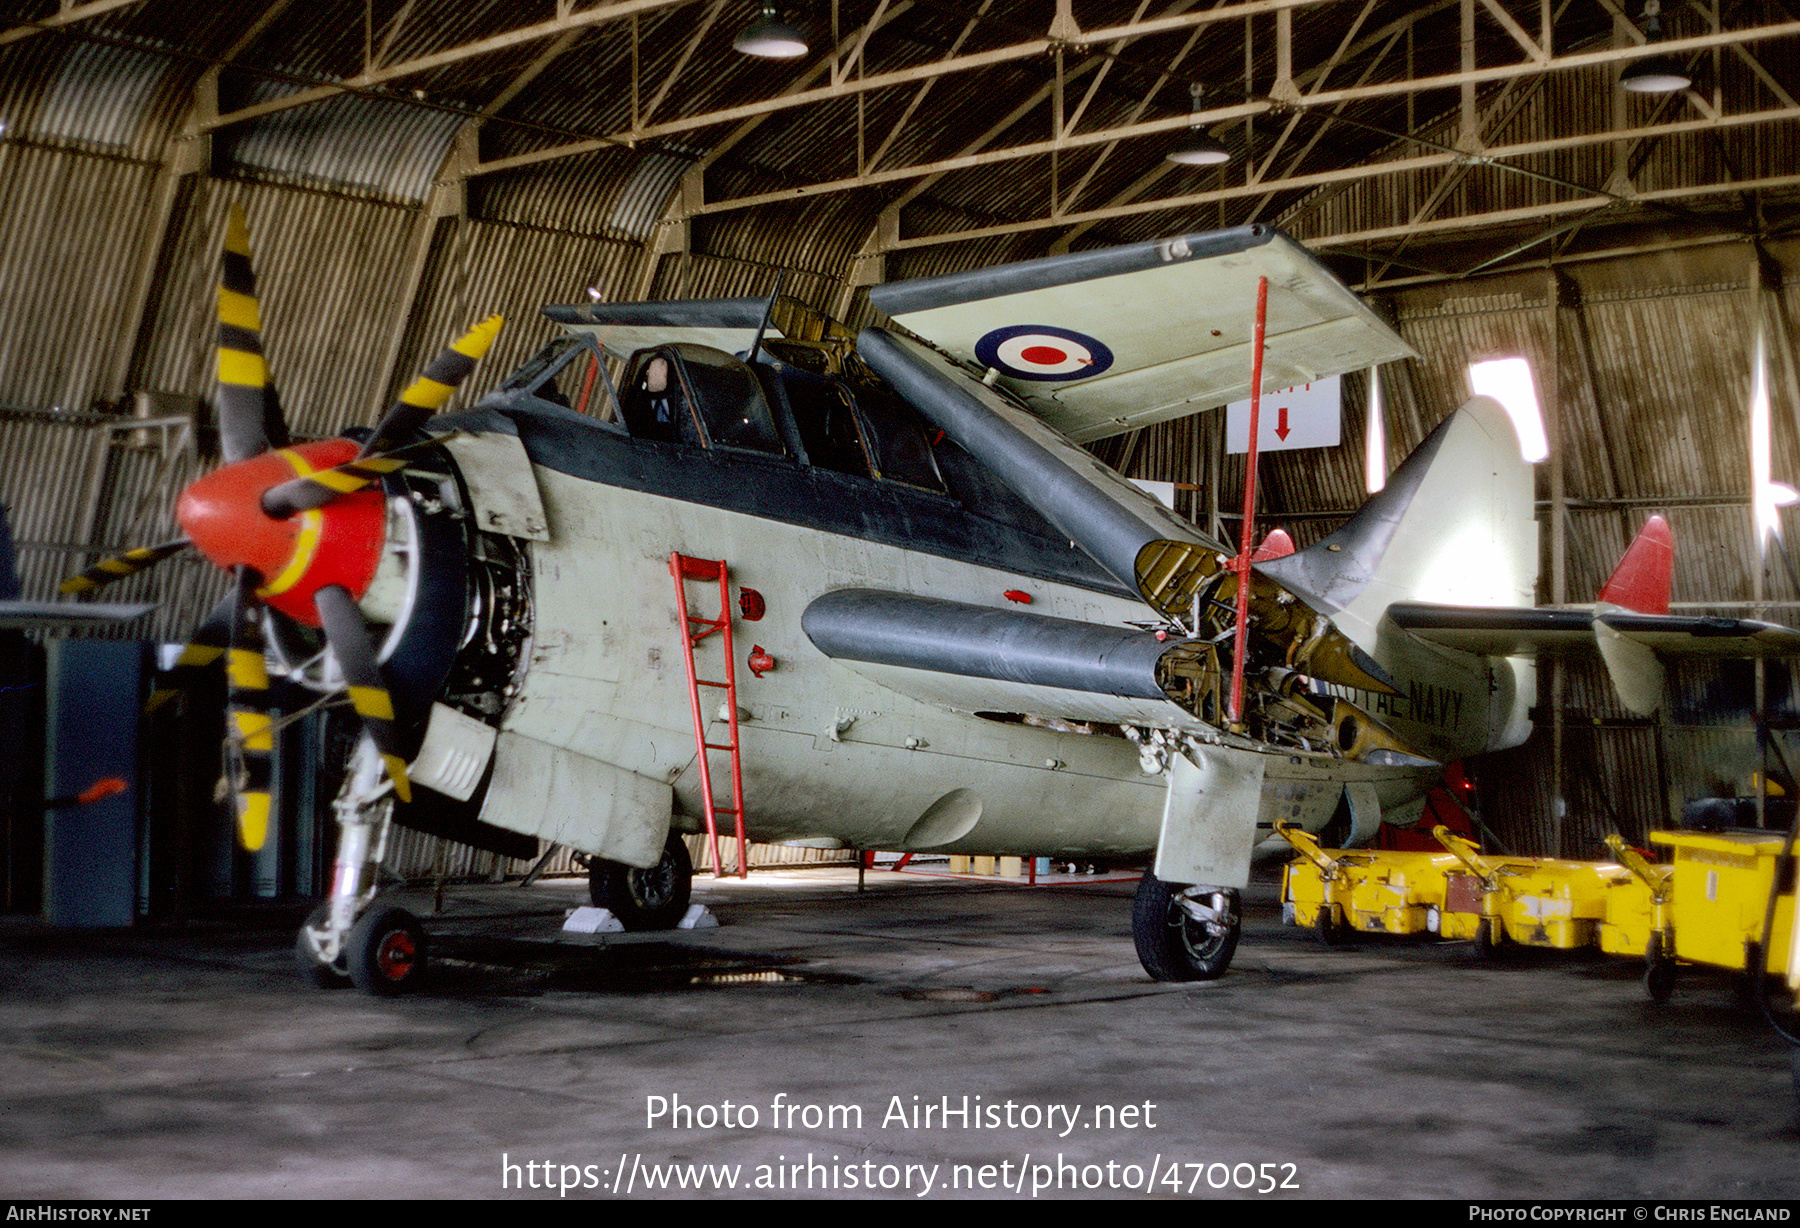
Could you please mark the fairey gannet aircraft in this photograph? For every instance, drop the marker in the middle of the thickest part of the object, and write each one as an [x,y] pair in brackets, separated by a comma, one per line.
[935,621]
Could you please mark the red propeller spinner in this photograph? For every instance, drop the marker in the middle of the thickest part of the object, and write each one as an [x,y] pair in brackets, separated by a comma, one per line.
[300,529]
[295,556]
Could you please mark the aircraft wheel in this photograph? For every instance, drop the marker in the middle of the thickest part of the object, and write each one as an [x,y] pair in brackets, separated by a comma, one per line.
[318,975]
[1659,971]
[652,899]
[385,952]
[1172,944]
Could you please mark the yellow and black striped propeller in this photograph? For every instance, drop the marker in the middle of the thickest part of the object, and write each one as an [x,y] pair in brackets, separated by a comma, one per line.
[250,424]
[250,737]
[209,643]
[380,456]
[250,419]
[121,566]
[348,636]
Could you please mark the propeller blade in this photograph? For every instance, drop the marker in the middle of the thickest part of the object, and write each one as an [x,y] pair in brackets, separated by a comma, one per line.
[250,419]
[121,566]
[317,489]
[210,643]
[355,652]
[253,737]
[428,393]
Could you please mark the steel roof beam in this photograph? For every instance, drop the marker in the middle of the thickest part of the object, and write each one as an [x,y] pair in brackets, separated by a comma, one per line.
[1536,212]
[561,24]
[1171,123]
[1396,166]
[66,15]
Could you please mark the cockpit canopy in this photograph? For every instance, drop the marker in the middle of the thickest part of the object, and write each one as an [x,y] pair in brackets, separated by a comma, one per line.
[686,393]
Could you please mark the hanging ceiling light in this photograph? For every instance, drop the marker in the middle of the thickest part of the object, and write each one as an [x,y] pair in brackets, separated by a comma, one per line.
[1199,147]
[769,37]
[1656,74]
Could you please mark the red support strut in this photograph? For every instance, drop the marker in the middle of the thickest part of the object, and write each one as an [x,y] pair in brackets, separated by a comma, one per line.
[1241,564]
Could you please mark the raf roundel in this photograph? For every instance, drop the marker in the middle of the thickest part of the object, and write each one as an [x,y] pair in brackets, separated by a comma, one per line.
[1043,352]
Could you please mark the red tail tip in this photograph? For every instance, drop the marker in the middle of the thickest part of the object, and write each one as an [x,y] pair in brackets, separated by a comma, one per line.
[1644,578]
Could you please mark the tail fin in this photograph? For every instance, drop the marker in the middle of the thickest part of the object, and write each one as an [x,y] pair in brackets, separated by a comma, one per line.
[1645,575]
[1641,584]
[1455,524]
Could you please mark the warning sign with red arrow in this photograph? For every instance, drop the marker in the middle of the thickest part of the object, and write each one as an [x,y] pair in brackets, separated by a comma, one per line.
[1307,416]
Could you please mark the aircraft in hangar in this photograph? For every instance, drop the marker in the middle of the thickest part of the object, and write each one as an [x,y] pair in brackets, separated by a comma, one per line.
[935,621]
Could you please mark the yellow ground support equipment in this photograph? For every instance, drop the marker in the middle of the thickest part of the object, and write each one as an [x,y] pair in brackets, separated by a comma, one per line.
[1459,893]
[1641,921]
[1337,891]
[1721,883]
[1707,907]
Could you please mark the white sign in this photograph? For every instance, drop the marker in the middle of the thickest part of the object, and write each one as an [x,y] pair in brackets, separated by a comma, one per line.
[1309,416]
[1162,492]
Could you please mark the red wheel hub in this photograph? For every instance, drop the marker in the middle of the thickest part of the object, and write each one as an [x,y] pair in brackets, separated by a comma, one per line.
[396,955]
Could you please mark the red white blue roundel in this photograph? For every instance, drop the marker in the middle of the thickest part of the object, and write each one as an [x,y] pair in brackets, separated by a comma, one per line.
[1043,352]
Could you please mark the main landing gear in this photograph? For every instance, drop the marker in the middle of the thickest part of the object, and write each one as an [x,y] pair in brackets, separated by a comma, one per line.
[1184,933]
[378,948]
[652,899]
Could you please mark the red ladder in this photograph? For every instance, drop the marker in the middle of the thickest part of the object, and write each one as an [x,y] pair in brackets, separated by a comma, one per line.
[695,628]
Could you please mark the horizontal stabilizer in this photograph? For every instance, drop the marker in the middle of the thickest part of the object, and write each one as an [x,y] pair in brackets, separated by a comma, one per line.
[1632,645]
[1101,342]
[1497,632]
[1546,632]
[1682,635]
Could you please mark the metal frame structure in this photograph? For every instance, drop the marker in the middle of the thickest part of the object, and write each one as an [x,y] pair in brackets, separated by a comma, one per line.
[1330,93]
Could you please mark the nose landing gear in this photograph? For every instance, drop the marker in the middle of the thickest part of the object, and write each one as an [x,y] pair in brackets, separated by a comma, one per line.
[1184,933]
[379,948]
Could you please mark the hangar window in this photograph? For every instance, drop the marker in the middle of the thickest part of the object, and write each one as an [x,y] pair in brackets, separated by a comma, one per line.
[1508,381]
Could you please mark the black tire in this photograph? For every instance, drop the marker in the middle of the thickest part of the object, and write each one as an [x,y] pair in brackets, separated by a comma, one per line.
[1659,971]
[1490,940]
[653,899]
[1331,928]
[314,973]
[1171,945]
[1756,986]
[385,953]
[1794,1069]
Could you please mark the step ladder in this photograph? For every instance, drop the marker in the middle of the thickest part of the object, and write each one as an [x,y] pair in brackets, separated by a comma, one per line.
[695,628]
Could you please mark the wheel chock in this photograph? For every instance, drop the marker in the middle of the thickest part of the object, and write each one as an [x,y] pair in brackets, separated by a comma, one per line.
[590,920]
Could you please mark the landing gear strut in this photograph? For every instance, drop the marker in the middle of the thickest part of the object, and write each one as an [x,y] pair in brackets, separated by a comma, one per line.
[1184,933]
[379,949]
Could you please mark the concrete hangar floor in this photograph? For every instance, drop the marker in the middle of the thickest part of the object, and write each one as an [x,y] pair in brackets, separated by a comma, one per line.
[931,1037]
